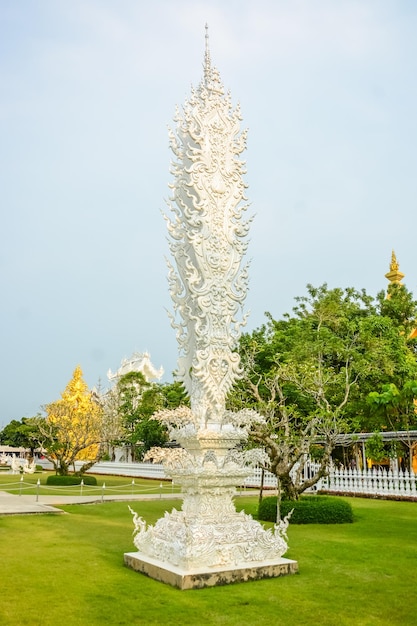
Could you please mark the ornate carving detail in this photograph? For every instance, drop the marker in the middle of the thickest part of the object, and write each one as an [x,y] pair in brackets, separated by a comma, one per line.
[209,532]
[394,275]
[207,242]
[394,266]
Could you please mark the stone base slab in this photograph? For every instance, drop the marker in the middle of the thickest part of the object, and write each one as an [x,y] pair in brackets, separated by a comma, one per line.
[198,578]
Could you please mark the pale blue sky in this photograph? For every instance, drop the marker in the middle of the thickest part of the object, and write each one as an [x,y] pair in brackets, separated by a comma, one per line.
[87,90]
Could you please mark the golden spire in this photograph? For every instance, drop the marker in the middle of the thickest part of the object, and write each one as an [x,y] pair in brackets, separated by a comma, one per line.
[394,275]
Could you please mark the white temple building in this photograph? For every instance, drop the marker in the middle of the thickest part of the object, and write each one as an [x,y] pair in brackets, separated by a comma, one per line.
[138,362]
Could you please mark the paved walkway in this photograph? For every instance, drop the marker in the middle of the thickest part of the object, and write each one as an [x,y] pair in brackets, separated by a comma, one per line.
[21,505]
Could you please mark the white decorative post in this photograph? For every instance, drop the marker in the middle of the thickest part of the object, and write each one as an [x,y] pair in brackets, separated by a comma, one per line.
[208,542]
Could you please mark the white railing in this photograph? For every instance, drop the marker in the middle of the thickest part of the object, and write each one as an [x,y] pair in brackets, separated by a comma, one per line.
[155,470]
[372,482]
[139,470]
[255,480]
[376,482]
[135,470]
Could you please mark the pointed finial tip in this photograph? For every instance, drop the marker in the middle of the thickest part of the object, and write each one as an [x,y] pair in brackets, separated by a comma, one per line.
[394,275]
[206,57]
[394,263]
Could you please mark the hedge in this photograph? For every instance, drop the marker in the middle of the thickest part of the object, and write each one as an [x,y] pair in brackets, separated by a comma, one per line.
[71,480]
[308,510]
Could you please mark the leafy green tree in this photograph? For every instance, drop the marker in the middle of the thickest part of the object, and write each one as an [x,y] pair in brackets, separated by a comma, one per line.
[375,448]
[23,434]
[135,400]
[394,409]
[129,408]
[128,394]
[174,395]
[310,373]
[399,305]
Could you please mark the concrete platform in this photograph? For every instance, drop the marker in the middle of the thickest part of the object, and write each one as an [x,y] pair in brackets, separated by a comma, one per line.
[199,578]
[22,505]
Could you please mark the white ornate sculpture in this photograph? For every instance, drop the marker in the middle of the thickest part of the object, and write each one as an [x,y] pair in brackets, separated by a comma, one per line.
[29,467]
[208,243]
[208,288]
[18,465]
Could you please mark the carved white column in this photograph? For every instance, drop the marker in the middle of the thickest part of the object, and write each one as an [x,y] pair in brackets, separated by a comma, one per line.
[208,243]
[208,285]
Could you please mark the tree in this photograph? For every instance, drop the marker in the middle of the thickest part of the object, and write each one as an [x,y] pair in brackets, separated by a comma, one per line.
[310,374]
[399,305]
[129,407]
[112,431]
[394,409]
[72,428]
[23,434]
[174,395]
[135,401]
[375,448]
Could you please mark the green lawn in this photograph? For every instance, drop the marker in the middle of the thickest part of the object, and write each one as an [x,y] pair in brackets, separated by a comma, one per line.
[113,485]
[69,569]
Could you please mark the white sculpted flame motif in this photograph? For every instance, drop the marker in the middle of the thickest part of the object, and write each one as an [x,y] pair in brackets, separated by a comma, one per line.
[208,244]
[208,289]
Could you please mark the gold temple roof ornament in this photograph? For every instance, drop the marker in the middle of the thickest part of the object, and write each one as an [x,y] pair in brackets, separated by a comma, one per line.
[394,275]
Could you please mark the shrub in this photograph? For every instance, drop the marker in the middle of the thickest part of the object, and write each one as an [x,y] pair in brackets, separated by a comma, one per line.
[71,480]
[308,510]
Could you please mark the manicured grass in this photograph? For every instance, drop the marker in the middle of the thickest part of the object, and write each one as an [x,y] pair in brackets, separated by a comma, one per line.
[69,569]
[120,485]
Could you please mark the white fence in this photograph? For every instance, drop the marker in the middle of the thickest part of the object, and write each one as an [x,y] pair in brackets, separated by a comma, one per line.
[255,480]
[139,470]
[372,482]
[135,470]
[155,470]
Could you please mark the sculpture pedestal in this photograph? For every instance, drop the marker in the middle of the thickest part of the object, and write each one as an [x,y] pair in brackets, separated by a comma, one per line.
[208,542]
[199,577]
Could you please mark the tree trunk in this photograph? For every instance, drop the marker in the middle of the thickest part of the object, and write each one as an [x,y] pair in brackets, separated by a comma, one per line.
[62,469]
[84,468]
[279,495]
[261,489]
[287,488]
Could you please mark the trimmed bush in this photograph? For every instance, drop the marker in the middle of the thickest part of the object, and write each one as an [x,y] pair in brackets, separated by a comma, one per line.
[308,510]
[71,480]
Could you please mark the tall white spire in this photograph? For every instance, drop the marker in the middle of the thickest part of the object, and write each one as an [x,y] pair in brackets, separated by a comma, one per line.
[207,61]
[211,77]
[208,243]
[208,542]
